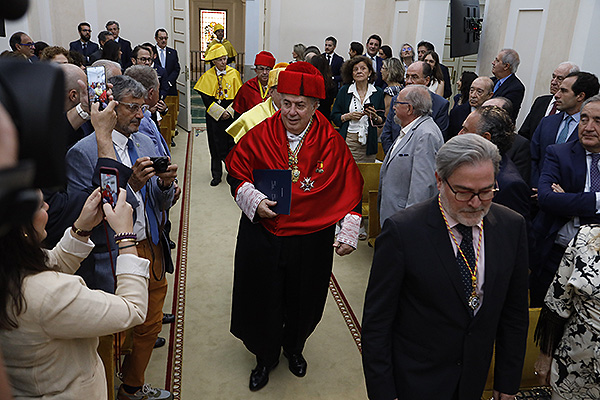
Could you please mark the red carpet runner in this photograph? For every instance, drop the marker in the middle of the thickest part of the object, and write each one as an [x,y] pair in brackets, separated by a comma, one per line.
[175,354]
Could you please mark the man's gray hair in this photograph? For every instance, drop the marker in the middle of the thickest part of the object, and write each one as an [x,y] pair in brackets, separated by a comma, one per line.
[110,67]
[112,22]
[511,57]
[126,86]
[574,67]
[593,99]
[145,75]
[420,99]
[470,149]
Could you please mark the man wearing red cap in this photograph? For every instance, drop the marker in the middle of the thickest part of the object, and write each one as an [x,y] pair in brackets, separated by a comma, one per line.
[283,262]
[218,87]
[255,90]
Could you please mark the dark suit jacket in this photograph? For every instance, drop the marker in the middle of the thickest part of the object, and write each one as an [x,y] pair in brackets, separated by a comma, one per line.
[172,68]
[457,116]
[447,82]
[566,165]
[419,340]
[514,90]
[439,113]
[126,53]
[536,113]
[514,191]
[377,67]
[90,49]
[520,154]
[545,135]
[336,66]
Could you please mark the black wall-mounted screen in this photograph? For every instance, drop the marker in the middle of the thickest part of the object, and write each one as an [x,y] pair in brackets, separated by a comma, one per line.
[465,27]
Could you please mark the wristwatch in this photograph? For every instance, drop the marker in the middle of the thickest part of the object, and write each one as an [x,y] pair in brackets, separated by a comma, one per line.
[84,115]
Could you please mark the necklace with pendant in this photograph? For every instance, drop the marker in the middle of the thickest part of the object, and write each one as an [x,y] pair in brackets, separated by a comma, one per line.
[293,155]
[474,299]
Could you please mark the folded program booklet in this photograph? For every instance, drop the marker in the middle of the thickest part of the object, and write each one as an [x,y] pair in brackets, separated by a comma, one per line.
[276,184]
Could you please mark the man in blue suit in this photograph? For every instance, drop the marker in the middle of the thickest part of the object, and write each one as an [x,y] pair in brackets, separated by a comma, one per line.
[168,59]
[418,73]
[560,128]
[545,105]
[84,45]
[335,61]
[150,194]
[568,195]
[372,47]
[506,83]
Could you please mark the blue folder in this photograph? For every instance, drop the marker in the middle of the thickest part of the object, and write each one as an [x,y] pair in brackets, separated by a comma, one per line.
[276,184]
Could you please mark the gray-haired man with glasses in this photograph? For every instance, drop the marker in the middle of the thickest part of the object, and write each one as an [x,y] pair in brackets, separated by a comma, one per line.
[448,284]
[407,175]
[150,193]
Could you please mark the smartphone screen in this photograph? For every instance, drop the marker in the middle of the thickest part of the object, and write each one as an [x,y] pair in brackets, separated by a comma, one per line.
[96,80]
[109,185]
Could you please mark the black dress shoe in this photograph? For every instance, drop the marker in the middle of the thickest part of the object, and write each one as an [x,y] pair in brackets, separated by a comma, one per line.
[160,342]
[260,376]
[173,143]
[172,244]
[215,181]
[297,364]
[168,318]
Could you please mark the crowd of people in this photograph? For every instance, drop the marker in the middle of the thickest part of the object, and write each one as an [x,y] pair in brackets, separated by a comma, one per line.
[120,265]
[480,219]
[456,163]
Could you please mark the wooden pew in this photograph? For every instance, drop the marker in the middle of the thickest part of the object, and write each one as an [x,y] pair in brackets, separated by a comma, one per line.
[529,380]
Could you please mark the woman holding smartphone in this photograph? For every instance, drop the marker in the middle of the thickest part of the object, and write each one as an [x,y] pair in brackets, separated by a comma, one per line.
[359,108]
[49,320]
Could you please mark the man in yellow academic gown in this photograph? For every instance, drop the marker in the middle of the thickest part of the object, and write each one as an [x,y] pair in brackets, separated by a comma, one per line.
[218,87]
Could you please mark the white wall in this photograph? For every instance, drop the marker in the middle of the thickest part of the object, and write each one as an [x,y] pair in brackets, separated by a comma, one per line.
[584,47]
[55,21]
[310,22]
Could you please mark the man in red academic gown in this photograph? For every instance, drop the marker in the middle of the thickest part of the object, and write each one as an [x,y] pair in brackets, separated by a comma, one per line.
[283,262]
[255,90]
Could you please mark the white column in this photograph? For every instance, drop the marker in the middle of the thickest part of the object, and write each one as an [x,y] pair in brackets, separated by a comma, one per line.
[584,47]
[358,21]
[254,28]
[432,20]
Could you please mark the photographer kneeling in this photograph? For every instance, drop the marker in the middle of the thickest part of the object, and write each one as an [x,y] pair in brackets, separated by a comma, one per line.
[49,319]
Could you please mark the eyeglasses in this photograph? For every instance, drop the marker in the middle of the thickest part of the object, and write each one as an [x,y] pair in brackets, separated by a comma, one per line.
[464,196]
[407,49]
[134,107]
[401,102]
[262,69]
[144,59]
[28,44]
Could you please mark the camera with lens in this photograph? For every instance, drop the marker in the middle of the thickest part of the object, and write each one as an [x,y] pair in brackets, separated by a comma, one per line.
[160,164]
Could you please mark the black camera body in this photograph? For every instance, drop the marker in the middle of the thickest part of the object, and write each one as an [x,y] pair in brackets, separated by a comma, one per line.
[160,164]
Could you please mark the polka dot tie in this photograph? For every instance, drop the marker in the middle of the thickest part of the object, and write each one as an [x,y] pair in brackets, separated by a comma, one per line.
[595,173]
[466,245]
